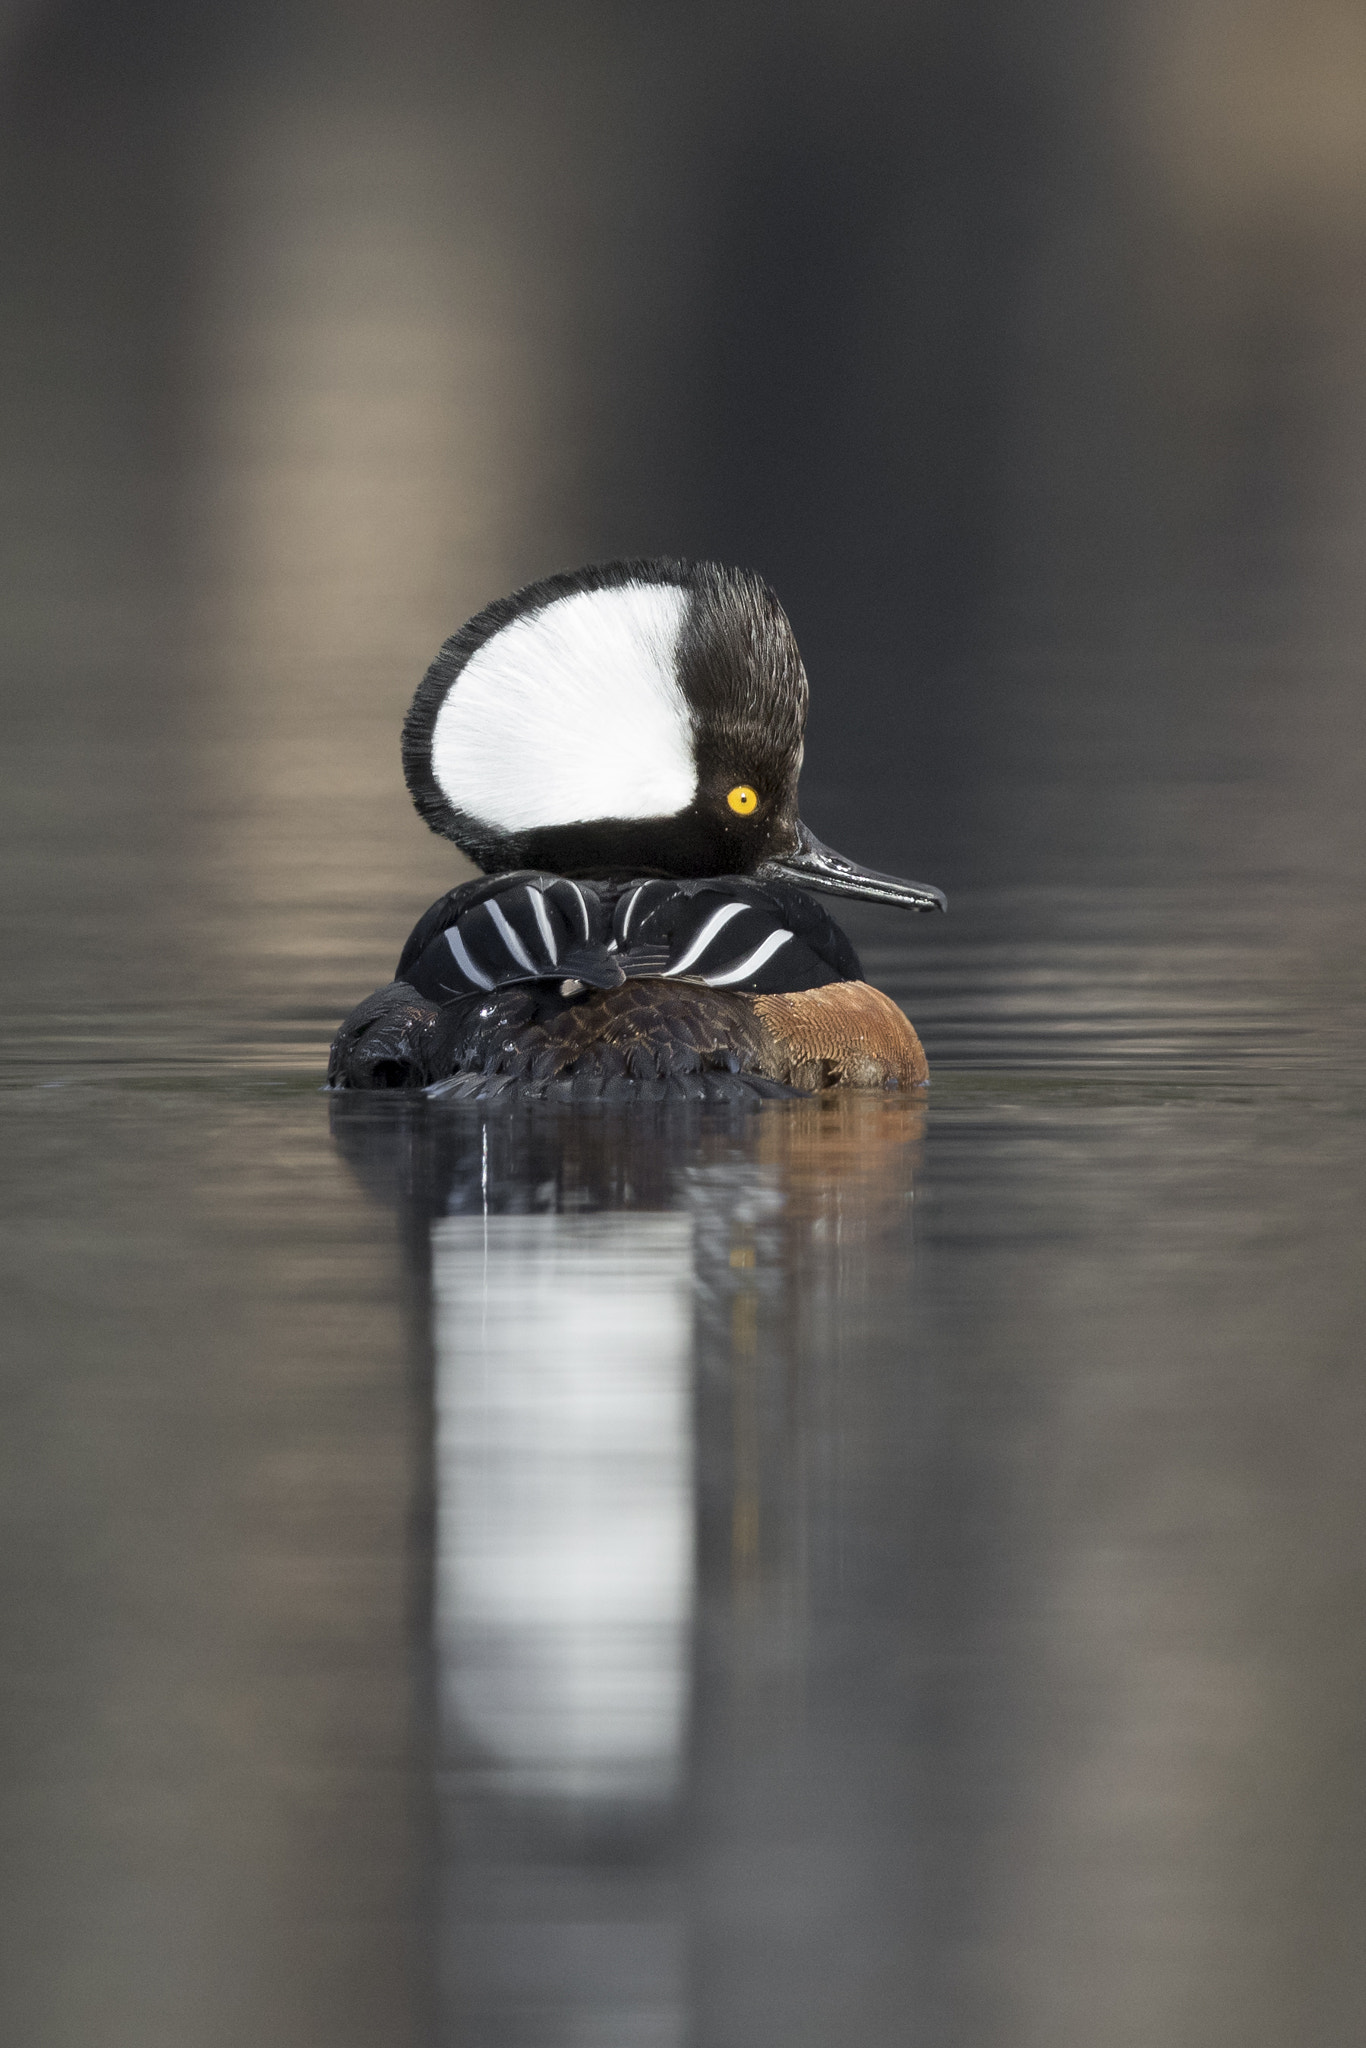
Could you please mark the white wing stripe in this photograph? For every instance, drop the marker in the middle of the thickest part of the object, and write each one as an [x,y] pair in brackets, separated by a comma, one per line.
[752,965]
[707,934]
[629,912]
[583,907]
[547,929]
[510,938]
[463,960]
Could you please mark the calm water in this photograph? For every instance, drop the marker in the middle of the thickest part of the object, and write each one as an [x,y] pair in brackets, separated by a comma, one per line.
[855,1571]
[847,1575]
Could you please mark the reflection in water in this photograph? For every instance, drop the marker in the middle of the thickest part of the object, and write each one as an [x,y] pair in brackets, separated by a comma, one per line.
[642,1327]
[564,1535]
[1017,1615]
[563,1615]
[1024,1673]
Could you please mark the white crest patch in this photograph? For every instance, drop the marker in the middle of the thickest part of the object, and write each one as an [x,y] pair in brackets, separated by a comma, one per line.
[572,713]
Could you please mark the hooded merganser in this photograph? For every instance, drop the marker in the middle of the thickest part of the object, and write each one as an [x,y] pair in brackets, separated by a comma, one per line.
[618,750]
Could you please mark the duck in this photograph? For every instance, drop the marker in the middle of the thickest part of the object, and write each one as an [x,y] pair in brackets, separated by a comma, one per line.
[617,750]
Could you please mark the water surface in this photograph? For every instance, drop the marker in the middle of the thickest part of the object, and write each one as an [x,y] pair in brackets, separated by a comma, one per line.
[837,1570]
[852,1573]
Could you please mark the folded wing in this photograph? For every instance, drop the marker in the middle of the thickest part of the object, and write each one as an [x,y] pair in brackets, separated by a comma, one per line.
[512,928]
[728,933]
[724,932]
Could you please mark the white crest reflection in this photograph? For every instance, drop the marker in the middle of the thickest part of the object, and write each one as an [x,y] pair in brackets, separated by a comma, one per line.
[564,1456]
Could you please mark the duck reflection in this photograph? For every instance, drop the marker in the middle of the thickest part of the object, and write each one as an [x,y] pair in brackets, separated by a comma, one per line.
[638,1324]
[564,1523]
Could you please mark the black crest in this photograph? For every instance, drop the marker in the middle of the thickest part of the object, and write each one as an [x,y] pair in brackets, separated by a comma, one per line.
[742,679]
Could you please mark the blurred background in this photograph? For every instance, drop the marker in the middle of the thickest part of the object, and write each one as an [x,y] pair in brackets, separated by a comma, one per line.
[1023,349]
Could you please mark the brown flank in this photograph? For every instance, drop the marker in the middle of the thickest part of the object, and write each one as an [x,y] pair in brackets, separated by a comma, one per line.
[847,1035]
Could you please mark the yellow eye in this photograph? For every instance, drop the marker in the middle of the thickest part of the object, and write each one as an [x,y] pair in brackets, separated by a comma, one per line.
[743,799]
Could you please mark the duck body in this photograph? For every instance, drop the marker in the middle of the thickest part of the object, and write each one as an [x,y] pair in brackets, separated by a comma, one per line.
[715,989]
[619,750]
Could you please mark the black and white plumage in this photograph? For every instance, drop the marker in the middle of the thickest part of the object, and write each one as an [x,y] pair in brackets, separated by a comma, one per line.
[618,749]
[511,928]
[595,723]
[725,932]
[600,724]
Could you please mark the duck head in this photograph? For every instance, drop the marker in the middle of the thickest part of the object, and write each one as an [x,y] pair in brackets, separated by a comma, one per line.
[629,719]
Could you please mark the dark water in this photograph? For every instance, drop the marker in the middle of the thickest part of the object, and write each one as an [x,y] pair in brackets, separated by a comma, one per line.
[860,1572]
